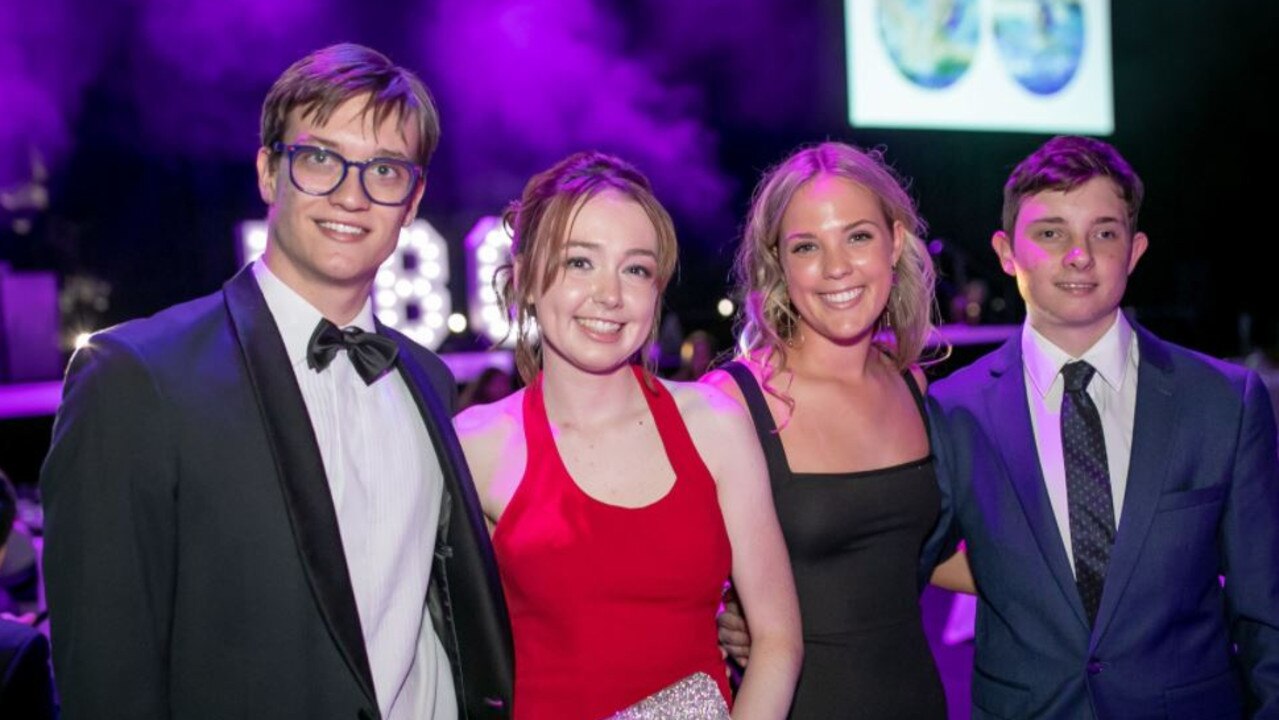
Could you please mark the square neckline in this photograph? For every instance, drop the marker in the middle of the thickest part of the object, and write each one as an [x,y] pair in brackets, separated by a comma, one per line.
[757,404]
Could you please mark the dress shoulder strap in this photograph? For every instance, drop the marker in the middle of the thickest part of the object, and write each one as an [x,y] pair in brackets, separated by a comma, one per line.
[915,392]
[765,428]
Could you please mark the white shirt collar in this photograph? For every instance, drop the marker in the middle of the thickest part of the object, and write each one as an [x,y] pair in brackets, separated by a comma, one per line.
[1109,355]
[294,316]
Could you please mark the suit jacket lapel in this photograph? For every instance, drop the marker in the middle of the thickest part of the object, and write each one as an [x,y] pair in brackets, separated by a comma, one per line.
[1009,417]
[1153,424]
[300,470]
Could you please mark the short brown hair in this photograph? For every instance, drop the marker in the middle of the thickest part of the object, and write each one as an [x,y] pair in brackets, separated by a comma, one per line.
[539,223]
[1063,164]
[320,82]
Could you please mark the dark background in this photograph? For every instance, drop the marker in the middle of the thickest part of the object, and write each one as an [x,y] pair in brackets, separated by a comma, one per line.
[149,162]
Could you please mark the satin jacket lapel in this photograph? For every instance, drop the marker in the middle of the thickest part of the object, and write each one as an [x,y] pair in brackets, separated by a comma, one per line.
[1010,423]
[1153,423]
[300,470]
[480,592]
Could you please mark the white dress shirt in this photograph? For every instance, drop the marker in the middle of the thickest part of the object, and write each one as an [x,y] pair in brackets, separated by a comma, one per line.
[387,486]
[1113,389]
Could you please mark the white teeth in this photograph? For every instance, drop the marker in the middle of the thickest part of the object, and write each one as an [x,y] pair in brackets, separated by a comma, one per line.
[341,227]
[841,297]
[600,326]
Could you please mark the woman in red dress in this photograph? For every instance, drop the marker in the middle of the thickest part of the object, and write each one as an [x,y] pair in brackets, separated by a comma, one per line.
[620,504]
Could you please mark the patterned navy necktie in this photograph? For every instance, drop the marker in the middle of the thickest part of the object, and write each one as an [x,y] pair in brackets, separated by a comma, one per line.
[1092,510]
[370,353]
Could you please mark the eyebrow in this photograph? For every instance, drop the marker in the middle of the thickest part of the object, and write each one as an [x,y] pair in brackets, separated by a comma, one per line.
[1054,220]
[846,228]
[588,245]
[380,152]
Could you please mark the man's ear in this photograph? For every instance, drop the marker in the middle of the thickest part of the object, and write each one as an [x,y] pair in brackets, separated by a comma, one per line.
[268,175]
[410,212]
[1003,246]
[1139,244]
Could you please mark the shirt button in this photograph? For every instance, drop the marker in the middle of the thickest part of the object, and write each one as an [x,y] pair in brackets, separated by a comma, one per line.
[1095,666]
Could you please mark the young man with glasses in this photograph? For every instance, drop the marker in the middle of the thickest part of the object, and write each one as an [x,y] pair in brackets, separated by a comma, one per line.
[255,503]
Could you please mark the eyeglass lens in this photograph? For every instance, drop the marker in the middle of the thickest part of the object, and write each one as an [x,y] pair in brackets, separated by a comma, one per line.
[318,171]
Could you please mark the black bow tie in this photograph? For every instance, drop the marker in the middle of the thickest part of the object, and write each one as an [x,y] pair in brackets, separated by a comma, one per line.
[370,353]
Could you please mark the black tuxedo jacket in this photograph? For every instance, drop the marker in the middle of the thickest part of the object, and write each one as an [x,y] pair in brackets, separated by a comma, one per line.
[193,561]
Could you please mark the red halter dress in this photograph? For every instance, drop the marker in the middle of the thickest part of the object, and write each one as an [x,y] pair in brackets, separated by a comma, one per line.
[609,604]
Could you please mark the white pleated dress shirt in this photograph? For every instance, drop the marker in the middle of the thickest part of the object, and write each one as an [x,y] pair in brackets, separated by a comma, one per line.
[387,486]
[1113,389]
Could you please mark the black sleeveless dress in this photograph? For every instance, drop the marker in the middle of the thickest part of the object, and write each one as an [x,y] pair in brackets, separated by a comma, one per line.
[854,541]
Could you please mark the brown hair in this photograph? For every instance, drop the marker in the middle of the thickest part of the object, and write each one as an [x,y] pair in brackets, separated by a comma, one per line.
[1063,164]
[322,81]
[539,223]
[768,318]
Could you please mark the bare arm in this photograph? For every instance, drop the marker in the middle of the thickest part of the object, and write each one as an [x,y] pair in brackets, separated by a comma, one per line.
[954,574]
[761,568]
[493,444]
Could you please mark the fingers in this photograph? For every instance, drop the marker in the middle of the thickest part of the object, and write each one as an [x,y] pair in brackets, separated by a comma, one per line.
[733,622]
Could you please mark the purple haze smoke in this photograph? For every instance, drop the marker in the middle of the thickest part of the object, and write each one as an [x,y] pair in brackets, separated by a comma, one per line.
[747,52]
[521,84]
[204,66]
[49,52]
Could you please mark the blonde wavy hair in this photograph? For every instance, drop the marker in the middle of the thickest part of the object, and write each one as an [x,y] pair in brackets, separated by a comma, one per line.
[768,318]
[540,222]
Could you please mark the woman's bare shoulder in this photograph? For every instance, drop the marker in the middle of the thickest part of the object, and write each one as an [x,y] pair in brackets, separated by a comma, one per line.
[490,423]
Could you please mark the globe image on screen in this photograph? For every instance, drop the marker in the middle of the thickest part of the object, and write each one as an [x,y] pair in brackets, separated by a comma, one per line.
[931,42]
[1040,41]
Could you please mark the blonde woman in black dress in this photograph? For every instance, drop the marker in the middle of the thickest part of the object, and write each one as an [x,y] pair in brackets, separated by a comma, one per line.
[838,303]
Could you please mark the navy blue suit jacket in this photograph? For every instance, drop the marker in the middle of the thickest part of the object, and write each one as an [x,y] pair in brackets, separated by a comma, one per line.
[1202,502]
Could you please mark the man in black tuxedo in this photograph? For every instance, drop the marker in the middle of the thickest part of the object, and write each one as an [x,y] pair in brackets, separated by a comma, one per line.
[26,689]
[255,502]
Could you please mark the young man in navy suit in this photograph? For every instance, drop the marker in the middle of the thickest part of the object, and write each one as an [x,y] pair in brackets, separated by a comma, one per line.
[1119,495]
[255,502]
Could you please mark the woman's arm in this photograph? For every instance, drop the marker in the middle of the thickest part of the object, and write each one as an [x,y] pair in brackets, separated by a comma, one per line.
[725,437]
[494,448]
[954,574]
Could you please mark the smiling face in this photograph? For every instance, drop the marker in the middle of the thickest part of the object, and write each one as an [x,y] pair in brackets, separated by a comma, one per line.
[336,241]
[599,309]
[1071,253]
[837,252]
